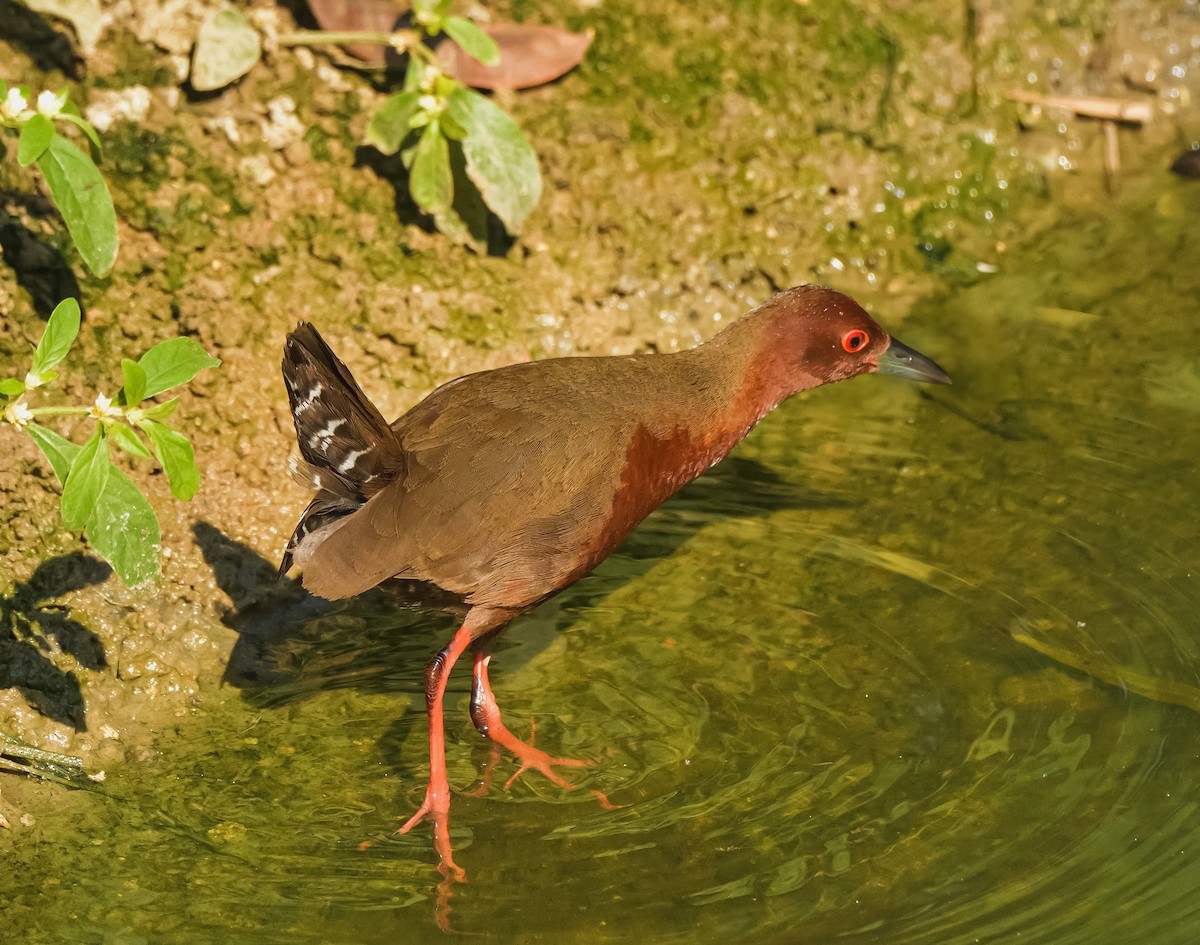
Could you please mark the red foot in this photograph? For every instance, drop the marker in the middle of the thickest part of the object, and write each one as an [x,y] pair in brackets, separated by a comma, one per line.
[531,757]
[436,808]
[436,805]
[485,713]
[538,760]
[452,873]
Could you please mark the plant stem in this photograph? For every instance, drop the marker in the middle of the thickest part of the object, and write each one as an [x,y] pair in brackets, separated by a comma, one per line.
[400,40]
[59,411]
[409,41]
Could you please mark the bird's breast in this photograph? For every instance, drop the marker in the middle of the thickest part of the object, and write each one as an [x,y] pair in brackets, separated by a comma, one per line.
[658,463]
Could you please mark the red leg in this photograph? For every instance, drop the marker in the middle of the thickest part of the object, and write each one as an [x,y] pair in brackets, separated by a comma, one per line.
[437,794]
[485,713]
[436,806]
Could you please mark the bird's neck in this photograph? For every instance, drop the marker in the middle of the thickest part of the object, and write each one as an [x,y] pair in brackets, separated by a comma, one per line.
[720,390]
[753,363]
[707,400]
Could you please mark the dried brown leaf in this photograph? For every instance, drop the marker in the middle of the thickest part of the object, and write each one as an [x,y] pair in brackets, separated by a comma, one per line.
[370,15]
[530,54]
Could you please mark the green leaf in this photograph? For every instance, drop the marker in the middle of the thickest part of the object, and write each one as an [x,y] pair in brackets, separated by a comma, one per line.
[86,128]
[466,221]
[89,472]
[227,47]
[430,182]
[84,202]
[474,41]
[36,135]
[413,73]
[61,331]
[451,128]
[135,382]
[177,457]
[173,362]
[128,440]
[124,530]
[161,411]
[500,161]
[11,387]
[58,449]
[390,124]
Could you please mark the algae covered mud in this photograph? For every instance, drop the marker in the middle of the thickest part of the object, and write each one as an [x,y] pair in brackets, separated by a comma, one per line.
[954,619]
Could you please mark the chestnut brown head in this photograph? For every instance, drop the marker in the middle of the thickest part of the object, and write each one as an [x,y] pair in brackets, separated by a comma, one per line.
[817,335]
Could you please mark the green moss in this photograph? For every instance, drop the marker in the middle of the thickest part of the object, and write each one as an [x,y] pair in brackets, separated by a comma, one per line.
[224,187]
[476,329]
[175,270]
[137,157]
[382,260]
[318,144]
[140,64]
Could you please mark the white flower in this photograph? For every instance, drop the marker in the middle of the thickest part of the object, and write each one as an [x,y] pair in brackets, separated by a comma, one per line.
[18,413]
[50,103]
[104,410]
[429,77]
[429,103]
[15,105]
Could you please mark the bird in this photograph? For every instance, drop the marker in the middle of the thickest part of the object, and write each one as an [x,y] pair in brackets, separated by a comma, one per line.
[504,487]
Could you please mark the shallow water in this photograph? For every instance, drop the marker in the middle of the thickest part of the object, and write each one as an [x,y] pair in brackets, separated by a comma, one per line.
[915,666]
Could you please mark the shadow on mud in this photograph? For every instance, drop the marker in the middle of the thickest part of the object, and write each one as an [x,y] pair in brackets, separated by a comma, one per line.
[32,627]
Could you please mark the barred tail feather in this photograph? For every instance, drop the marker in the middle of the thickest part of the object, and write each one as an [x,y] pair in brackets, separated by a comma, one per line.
[347,450]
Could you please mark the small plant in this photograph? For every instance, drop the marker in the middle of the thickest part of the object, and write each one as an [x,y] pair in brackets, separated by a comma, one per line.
[74,181]
[464,154]
[462,151]
[97,497]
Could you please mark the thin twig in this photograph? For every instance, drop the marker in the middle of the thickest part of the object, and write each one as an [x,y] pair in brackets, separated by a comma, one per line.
[14,746]
[1106,109]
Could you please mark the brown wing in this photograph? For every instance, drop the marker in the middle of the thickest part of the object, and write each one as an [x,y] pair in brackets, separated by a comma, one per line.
[508,475]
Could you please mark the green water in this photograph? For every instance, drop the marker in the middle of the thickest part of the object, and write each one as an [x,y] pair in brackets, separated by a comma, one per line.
[800,679]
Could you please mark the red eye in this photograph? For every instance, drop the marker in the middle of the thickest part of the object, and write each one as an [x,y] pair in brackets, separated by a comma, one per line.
[855,340]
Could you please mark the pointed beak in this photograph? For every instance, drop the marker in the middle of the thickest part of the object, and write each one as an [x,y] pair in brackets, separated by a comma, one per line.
[903,361]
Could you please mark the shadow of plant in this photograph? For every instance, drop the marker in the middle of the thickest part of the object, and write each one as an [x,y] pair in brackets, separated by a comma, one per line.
[33,628]
[488,229]
[41,270]
[50,48]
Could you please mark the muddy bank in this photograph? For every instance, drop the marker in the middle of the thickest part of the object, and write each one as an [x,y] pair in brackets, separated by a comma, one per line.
[699,159]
